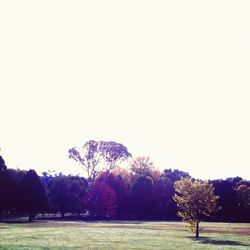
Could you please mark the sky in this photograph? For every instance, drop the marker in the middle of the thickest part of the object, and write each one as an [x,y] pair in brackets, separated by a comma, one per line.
[168,79]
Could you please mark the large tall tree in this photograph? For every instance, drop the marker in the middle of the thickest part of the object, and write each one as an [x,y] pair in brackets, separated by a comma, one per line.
[97,156]
[31,195]
[196,200]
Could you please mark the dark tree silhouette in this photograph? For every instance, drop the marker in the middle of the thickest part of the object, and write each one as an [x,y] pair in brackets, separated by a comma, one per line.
[31,195]
[142,196]
[175,175]
[2,164]
[163,191]
[58,194]
[17,174]
[7,189]
[66,194]
[243,194]
[228,201]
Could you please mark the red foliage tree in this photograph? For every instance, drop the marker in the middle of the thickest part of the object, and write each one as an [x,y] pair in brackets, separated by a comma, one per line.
[103,200]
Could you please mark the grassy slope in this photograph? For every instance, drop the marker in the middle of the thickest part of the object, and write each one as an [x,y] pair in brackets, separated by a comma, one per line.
[121,235]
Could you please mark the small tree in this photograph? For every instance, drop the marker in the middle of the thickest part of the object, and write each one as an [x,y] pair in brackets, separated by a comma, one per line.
[196,200]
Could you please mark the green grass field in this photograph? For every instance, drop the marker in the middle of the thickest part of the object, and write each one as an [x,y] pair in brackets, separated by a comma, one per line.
[121,235]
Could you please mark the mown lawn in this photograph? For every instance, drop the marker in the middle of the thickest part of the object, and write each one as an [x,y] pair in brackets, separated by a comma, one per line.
[121,235]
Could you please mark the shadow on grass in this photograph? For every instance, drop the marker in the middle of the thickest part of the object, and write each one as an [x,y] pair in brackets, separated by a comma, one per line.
[114,222]
[208,240]
[16,221]
[90,221]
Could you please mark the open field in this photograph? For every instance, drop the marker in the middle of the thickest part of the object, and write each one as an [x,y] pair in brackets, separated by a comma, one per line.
[121,235]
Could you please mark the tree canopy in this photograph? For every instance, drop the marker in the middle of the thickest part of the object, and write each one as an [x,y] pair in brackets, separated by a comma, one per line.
[95,156]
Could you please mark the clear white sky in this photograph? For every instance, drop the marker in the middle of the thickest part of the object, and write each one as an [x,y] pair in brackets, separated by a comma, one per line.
[168,79]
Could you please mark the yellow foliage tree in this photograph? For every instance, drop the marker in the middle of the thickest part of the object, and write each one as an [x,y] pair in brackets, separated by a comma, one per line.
[195,199]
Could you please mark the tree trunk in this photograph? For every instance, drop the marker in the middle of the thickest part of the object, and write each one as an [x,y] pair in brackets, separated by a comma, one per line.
[30,217]
[197,229]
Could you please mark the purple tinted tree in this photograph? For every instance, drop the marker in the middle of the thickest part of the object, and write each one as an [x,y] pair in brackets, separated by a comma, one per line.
[106,200]
[142,196]
[122,193]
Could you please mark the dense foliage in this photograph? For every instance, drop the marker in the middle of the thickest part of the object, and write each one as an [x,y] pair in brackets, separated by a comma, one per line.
[139,191]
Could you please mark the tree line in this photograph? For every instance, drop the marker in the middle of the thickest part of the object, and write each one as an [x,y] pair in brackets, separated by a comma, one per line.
[140,191]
